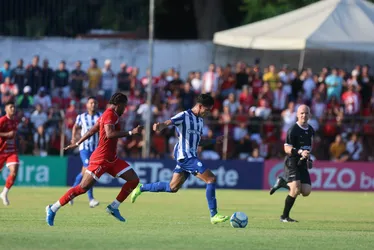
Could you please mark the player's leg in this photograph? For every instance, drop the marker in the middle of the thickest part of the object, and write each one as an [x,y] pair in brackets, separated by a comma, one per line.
[210,179]
[85,157]
[88,180]
[179,177]
[122,170]
[293,178]
[13,170]
[306,183]
[279,183]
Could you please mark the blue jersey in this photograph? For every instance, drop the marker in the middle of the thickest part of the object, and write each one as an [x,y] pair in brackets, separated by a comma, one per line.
[189,128]
[86,122]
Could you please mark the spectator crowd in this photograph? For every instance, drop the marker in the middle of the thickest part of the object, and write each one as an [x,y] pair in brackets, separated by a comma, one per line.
[254,106]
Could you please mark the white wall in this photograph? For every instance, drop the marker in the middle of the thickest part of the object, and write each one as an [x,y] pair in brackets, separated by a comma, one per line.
[185,56]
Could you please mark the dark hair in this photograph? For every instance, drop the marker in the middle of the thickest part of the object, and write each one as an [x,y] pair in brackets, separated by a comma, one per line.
[118,98]
[91,97]
[205,99]
[9,103]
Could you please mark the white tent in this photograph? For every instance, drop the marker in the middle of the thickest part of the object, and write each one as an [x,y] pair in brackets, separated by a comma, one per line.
[328,24]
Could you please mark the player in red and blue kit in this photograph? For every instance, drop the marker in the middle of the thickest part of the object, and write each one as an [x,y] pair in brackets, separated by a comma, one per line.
[103,160]
[8,148]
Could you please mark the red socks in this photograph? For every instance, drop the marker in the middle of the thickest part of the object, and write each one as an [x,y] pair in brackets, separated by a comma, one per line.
[127,189]
[71,194]
[10,181]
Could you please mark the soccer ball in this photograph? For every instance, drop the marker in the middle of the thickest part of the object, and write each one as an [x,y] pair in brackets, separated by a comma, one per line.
[239,220]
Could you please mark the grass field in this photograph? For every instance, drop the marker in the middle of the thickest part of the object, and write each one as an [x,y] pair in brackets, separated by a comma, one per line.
[328,220]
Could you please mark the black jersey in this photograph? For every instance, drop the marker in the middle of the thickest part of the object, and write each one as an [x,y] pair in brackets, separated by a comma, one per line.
[299,137]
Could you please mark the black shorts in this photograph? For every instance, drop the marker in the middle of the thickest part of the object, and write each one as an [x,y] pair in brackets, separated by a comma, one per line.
[293,172]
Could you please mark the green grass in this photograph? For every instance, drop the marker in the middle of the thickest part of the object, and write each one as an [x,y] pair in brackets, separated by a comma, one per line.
[328,220]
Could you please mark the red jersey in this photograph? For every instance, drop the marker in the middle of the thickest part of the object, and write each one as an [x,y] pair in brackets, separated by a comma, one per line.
[107,148]
[7,145]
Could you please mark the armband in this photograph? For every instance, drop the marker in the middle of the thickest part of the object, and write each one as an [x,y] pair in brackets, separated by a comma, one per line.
[130,133]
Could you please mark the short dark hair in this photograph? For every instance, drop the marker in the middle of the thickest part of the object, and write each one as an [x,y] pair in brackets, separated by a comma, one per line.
[118,98]
[91,97]
[9,103]
[205,99]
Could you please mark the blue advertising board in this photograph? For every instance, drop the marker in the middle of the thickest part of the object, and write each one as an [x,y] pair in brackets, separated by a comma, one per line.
[230,174]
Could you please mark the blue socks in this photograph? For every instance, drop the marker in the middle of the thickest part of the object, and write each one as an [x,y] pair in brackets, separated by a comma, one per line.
[165,187]
[211,198]
[156,187]
[78,180]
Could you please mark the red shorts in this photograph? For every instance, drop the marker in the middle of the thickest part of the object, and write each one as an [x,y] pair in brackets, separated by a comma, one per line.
[9,159]
[115,168]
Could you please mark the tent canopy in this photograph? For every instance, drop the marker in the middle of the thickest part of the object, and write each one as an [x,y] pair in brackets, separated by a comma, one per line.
[328,24]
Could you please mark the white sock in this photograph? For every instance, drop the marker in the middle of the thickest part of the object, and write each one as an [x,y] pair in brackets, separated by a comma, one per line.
[5,190]
[55,207]
[115,204]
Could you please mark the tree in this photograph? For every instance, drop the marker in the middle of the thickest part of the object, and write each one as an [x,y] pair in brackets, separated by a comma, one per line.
[257,10]
[209,17]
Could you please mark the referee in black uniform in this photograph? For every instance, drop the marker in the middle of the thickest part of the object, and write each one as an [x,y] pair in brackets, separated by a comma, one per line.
[297,147]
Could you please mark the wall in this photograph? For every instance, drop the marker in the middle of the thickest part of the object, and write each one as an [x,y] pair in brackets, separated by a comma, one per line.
[185,56]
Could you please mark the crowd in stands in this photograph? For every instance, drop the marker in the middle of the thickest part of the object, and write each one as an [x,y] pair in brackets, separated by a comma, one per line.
[254,106]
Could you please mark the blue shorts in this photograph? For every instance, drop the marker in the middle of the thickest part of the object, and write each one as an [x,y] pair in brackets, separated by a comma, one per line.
[85,157]
[190,166]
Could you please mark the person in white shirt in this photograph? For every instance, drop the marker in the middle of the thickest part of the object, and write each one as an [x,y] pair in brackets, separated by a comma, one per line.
[109,84]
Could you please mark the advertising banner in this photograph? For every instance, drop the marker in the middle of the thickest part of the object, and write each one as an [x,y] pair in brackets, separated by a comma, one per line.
[39,171]
[233,174]
[326,175]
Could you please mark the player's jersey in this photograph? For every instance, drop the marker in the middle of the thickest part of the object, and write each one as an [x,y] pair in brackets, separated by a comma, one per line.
[189,128]
[107,148]
[86,122]
[299,137]
[7,145]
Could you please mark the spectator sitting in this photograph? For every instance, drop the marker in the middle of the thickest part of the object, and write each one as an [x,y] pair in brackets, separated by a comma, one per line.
[43,99]
[354,148]
[255,157]
[337,150]
[9,91]
[38,117]
[25,101]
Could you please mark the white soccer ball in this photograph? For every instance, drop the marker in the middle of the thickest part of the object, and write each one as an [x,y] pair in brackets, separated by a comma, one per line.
[239,220]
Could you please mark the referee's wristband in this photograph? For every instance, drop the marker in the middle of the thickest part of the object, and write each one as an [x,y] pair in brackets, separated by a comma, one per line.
[130,132]
[295,152]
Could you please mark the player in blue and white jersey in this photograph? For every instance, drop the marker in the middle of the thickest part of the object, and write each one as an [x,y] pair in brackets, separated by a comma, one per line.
[189,125]
[84,123]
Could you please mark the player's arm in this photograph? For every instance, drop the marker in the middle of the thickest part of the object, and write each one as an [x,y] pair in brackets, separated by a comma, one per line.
[8,135]
[175,120]
[87,135]
[112,133]
[95,129]
[75,130]
[159,126]
[77,126]
[289,148]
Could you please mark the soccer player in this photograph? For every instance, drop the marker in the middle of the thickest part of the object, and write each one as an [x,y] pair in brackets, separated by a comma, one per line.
[8,148]
[189,125]
[297,147]
[103,160]
[84,123]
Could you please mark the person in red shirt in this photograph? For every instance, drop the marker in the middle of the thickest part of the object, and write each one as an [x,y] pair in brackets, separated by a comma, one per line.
[8,148]
[103,160]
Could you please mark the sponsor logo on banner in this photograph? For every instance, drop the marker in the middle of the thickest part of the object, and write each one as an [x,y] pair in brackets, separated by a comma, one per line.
[38,171]
[326,175]
[230,174]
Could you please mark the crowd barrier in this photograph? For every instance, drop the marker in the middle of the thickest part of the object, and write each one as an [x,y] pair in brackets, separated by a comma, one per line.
[231,174]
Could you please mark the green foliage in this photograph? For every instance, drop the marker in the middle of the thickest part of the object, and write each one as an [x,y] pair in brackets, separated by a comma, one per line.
[257,10]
